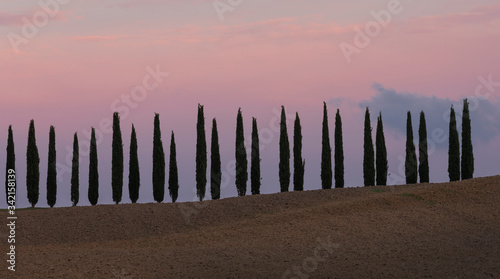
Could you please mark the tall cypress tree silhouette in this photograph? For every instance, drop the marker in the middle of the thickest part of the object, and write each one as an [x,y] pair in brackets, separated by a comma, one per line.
[339,152]
[117,160]
[173,177]
[158,162]
[326,153]
[467,150]
[411,156]
[453,149]
[241,157]
[201,155]
[381,153]
[284,163]
[93,171]
[10,165]
[134,178]
[75,172]
[368,157]
[298,162]
[215,164]
[51,169]
[255,157]
[32,167]
[423,157]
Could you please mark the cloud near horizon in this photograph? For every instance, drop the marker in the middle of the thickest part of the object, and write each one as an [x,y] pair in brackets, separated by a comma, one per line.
[394,105]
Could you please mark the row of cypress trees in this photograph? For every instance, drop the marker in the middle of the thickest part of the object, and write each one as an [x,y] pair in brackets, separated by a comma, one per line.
[370,159]
[419,169]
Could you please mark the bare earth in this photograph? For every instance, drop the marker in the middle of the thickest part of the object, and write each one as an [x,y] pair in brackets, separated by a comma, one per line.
[447,230]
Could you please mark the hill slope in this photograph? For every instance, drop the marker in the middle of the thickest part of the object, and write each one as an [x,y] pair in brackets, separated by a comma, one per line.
[439,230]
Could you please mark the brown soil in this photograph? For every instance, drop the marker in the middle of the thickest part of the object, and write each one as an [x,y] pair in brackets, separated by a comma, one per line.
[447,230]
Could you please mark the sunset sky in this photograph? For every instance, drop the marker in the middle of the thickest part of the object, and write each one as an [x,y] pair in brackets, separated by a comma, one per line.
[73,63]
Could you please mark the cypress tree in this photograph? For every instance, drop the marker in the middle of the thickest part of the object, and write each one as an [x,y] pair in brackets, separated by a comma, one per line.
[32,167]
[326,153]
[381,153]
[453,149]
[134,178]
[75,179]
[10,164]
[117,160]
[339,152]
[284,164]
[93,171]
[467,151]
[255,156]
[215,165]
[411,156]
[241,157]
[201,155]
[423,157]
[51,169]
[158,162]
[368,157]
[173,177]
[298,162]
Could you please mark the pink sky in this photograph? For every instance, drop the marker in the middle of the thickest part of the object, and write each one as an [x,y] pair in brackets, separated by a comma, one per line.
[260,56]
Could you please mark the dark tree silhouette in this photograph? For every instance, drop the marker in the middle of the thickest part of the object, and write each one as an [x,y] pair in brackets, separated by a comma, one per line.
[93,171]
[241,157]
[173,176]
[255,163]
[298,162]
[32,167]
[117,160]
[411,164]
[326,153]
[75,172]
[381,153]
[10,165]
[215,164]
[134,178]
[423,157]
[467,150]
[339,152]
[284,163]
[158,162]
[51,169]
[368,157]
[453,149]
[201,155]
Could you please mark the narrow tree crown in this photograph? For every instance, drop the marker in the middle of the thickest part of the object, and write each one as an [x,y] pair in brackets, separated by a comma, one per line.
[326,153]
[453,149]
[381,153]
[51,169]
[467,163]
[369,157]
[339,152]
[298,162]
[255,157]
[284,163]
[241,157]
[201,155]
[423,157]
[215,164]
